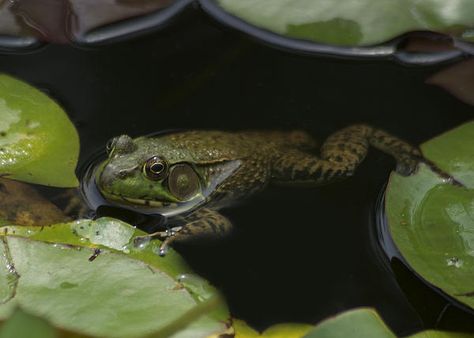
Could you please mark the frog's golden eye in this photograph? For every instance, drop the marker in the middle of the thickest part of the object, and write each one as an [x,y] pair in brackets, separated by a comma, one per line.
[110,145]
[155,168]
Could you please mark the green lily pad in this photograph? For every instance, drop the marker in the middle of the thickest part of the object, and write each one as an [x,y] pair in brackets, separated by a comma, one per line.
[432,222]
[38,143]
[366,323]
[355,22]
[441,334]
[363,323]
[283,330]
[96,278]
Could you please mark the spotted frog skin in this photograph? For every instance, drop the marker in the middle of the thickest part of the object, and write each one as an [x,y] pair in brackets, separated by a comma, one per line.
[188,176]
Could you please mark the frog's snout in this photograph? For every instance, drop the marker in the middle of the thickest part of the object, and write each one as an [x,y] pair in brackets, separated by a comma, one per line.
[110,175]
[105,178]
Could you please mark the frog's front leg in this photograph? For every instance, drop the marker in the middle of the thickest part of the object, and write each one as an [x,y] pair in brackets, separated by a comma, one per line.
[201,224]
[342,152]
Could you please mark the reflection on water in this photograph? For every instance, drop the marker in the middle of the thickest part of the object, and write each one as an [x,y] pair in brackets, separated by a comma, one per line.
[382,230]
[87,173]
[63,20]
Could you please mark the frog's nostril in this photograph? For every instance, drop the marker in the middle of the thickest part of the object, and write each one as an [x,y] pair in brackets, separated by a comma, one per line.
[123,173]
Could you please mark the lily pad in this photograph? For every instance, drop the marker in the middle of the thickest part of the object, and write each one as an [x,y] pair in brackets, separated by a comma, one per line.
[286,330]
[432,221]
[355,22]
[96,278]
[38,143]
[363,323]
[366,323]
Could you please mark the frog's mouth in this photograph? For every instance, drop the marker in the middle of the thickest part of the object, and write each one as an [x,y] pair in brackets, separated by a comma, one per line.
[164,208]
[148,203]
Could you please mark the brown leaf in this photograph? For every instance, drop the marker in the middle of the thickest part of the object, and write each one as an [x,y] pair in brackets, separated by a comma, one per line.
[21,204]
[457,80]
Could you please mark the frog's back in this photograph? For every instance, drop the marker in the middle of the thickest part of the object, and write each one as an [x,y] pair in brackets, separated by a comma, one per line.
[207,146]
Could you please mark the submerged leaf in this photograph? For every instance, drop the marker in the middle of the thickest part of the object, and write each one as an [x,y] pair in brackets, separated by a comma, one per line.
[355,22]
[24,325]
[457,80]
[86,278]
[21,204]
[38,143]
[432,221]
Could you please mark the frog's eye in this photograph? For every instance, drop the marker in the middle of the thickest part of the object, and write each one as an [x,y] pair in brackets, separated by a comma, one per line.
[155,168]
[110,145]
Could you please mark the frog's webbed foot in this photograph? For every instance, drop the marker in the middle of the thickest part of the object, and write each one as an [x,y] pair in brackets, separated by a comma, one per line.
[201,224]
[408,165]
[167,237]
[448,178]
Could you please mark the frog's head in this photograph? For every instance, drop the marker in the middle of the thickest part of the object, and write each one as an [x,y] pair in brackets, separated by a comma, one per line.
[137,174]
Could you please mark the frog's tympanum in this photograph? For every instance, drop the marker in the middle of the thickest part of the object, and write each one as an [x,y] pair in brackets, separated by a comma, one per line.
[188,176]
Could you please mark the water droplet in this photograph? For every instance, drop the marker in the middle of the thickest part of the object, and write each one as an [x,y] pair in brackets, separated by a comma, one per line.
[141,242]
[125,249]
[454,261]
[181,278]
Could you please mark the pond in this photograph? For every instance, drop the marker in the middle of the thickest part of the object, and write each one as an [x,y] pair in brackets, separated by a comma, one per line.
[297,254]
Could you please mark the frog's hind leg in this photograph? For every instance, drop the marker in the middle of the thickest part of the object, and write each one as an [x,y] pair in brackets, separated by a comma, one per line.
[341,153]
[202,224]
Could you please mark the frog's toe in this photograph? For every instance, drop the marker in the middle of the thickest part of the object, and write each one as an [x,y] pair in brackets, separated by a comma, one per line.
[163,251]
[407,167]
[448,178]
[164,247]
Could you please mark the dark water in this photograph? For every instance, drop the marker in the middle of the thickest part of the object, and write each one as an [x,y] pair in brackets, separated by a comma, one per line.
[297,254]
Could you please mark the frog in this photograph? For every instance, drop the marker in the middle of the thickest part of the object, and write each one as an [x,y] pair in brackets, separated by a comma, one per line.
[189,176]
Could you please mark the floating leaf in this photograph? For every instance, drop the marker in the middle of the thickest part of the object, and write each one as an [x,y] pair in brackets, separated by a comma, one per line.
[366,323]
[287,330]
[124,290]
[441,334]
[242,330]
[432,222]
[284,330]
[38,143]
[359,323]
[355,22]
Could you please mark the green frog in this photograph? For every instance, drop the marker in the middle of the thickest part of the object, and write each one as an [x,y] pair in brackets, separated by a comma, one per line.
[188,176]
